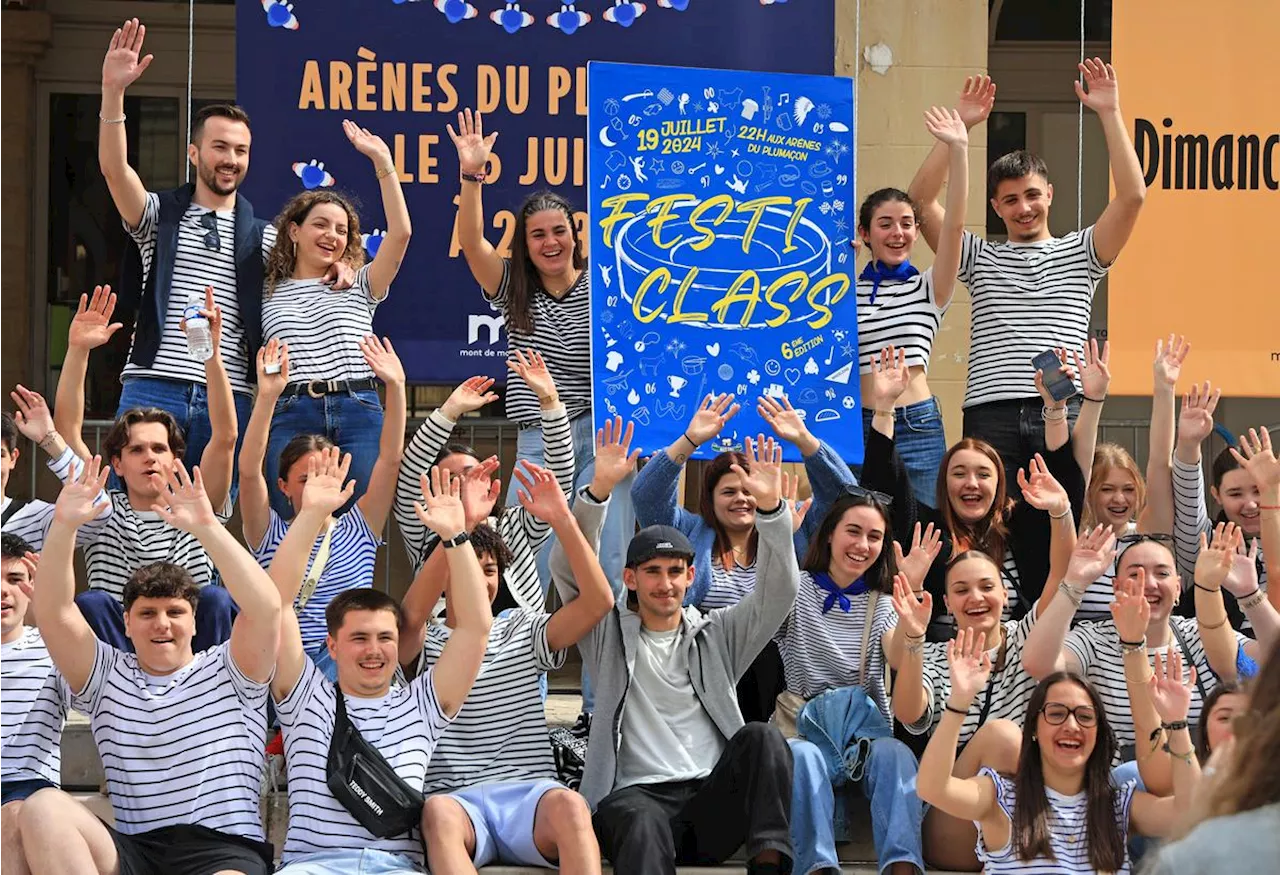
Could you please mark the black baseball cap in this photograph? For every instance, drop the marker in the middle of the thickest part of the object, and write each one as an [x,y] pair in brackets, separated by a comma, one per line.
[658,541]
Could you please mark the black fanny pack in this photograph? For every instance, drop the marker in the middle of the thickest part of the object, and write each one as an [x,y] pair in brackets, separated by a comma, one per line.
[362,780]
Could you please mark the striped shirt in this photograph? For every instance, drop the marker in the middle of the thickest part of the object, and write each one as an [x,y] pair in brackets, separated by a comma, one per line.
[1068,837]
[562,333]
[196,266]
[29,522]
[123,539]
[822,652]
[522,532]
[33,708]
[404,725]
[353,553]
[728,587]
[1190,518]
[1026,298]
[501,732]
[185,748]
[1097,647]
[1008,690]
[322,325]
[904,313]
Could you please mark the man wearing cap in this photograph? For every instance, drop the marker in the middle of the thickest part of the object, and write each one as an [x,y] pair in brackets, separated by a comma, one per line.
[672,773]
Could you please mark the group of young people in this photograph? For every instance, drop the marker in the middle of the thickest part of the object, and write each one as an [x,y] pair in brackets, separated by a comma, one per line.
[1023,630]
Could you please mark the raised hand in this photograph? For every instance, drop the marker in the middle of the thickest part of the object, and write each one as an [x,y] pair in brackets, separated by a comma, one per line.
[273,368]
[1041,490]
[381,358]
[889,377]
[914,611]
[977,97]
[541,494]
[1104,91]
[1256,456]
[1045,394]
[1195,420]
[614,457]
[1242,579]
[1095,551]
[1214,561]
[1170,354]
[441,508]
[31,414]
[472,144]
[1130,610]
[213,313]
[1170,695]
[470,396]
[763,480]
[1095,375]
[92,327]
[924,550]
[480,491]
[368,144]
[970,666]
[710,418]
[786,423]
[82,499]
[791,495]
[31,562]
[530,366]
[324,491]
[122,66]
[188,506]
[947,126]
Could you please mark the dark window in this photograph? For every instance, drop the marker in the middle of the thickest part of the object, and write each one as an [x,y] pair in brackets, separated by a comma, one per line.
[1023,20]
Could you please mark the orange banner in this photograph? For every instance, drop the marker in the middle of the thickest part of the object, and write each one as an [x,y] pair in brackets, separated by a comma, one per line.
[1199,86]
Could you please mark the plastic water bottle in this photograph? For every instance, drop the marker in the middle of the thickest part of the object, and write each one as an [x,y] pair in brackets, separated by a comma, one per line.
[199,338]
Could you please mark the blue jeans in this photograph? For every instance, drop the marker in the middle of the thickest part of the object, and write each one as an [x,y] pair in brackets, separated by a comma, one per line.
[619,523]
[1016,430]
[352,420]
[319,654]
[1139,846]
[920,441]
[215,614]
[189,404]
[889,782]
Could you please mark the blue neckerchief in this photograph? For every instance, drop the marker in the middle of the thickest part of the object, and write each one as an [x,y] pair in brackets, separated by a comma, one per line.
[876,273]
[838,593]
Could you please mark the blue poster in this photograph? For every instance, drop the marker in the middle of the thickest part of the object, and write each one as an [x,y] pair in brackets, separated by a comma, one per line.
[721,213]
[404,68]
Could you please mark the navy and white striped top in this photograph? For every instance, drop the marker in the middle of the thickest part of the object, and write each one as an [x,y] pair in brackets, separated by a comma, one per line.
[903,313]
[34,707]
[322,325]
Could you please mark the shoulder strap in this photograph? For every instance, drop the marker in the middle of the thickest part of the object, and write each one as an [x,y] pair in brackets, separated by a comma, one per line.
[14,506]
[864,644]
[317,567]
[1186,658]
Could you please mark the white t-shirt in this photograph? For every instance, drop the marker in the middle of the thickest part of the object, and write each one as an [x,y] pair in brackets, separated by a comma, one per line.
[323,326]
[821,652]
[1068,836]
[905,313]
[501,732]
[1026,298]
[666,733]
[196,266]
[34,707]
[353,554]
[1008,690]
[403,725]
[182,748]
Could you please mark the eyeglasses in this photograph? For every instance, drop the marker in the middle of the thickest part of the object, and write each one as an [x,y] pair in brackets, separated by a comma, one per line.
[1124,542]
[1056,714]
[209,221]
[863,492]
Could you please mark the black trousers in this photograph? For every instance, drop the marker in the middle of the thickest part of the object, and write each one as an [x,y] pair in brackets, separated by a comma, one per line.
[1016,430]
[759,688]
[649,829]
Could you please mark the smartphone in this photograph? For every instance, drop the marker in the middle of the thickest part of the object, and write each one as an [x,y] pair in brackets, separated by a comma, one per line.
[1059,384]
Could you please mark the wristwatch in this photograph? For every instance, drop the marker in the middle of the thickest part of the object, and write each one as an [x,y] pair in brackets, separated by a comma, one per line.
[456,540]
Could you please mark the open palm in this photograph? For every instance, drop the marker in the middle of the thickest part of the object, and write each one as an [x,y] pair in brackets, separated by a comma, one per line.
[970,664]
[914,611]
[1104,91]
[473,146]
[976,99]
[122,66]
[1170,354]
[763,478]
[324,490]
[92,327]
[188,504]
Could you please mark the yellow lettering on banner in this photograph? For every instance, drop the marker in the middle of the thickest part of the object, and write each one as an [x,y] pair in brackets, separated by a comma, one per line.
[582,91]
[397,158]
[787,236]
[393,90]
[756,208]
[339,85]
[665,206]
[311,94]
[801,280]
[735,295]
[366,90]
[823,309]
[617,206]
[421,90]
[426,161]
[678,314]
[444,78]
[488,88]
[559,83]
[661,275]
[724,203]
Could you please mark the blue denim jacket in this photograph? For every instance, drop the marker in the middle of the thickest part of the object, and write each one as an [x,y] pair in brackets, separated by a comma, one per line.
[842,723]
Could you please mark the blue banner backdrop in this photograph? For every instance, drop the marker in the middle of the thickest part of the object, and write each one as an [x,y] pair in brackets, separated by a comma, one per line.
[404,69]
[720,219]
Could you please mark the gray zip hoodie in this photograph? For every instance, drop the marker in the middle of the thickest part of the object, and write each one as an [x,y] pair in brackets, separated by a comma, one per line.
[721,644]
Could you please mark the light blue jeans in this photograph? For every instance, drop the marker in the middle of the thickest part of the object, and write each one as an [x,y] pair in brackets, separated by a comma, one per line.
[1139,846]
[889,782]
[366,862]
[619,524]
[920,441]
